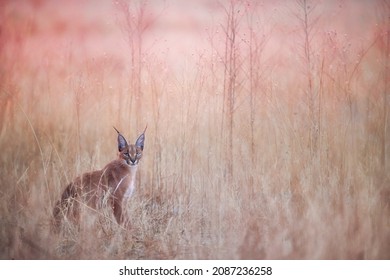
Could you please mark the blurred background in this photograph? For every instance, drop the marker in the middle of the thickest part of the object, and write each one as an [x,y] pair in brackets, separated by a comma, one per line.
[268,126]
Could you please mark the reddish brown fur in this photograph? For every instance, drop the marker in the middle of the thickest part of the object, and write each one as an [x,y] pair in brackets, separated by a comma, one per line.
[114,182]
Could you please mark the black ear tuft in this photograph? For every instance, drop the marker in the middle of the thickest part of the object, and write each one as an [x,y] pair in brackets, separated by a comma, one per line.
[122,143]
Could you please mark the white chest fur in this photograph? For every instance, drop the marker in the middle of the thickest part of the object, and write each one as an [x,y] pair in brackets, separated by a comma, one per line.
[129,189]
[129,182]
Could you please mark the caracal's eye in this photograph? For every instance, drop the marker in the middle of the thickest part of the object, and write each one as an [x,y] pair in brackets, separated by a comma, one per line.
[139,155]
[127,155]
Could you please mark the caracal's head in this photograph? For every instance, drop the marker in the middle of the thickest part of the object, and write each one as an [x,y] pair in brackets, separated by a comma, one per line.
[131,154]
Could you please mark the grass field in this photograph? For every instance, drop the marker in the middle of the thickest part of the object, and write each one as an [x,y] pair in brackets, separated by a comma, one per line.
[268,127]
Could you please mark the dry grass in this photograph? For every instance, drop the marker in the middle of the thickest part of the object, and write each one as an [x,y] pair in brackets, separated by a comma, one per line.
[65,83]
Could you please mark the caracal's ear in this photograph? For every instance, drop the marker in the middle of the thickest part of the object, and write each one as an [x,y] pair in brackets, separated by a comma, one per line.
[122,143]
[141,140]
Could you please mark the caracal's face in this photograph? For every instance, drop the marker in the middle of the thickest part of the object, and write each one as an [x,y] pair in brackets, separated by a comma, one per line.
[131,154]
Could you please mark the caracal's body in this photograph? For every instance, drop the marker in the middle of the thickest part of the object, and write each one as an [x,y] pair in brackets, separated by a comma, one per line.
[113,185]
